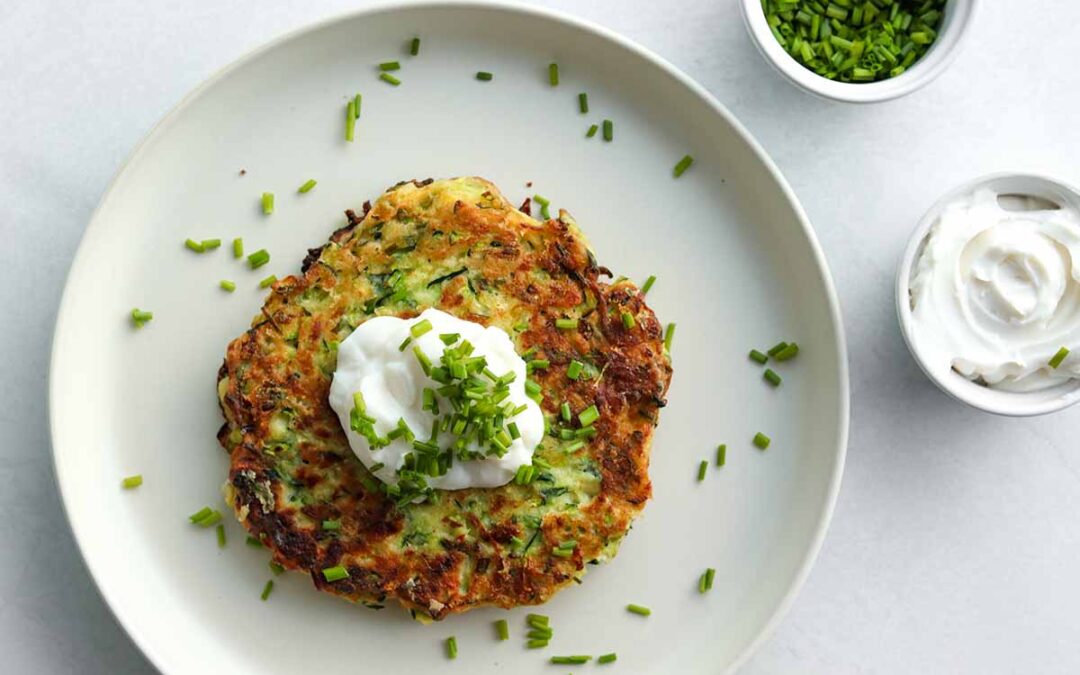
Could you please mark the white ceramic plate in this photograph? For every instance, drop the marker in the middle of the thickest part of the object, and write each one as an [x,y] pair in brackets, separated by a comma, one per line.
[737,267]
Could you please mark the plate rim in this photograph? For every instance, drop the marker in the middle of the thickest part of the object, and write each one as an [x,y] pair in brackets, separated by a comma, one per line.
[766,631]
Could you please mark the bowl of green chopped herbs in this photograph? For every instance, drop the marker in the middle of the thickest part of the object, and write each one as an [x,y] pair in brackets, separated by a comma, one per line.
[859,51]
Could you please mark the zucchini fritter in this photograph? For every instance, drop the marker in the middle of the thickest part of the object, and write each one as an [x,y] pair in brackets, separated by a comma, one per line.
[458,246]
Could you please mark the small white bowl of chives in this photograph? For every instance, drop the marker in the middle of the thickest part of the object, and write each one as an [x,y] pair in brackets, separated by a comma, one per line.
[997,401]
[859,51]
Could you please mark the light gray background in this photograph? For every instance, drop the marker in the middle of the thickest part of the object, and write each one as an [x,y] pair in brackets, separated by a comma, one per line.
[955,546]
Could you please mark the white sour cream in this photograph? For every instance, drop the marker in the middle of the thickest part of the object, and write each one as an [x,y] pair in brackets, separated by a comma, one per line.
[392,383]
[995,293]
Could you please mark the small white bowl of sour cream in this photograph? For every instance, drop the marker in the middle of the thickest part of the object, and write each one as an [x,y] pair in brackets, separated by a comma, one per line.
[987,298]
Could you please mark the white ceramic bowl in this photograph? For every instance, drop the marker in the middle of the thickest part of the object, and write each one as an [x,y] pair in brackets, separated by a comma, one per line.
[955,26]
[1014,404]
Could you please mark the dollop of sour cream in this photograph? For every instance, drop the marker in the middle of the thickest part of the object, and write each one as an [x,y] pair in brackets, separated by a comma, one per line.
[996,293]
[392,381]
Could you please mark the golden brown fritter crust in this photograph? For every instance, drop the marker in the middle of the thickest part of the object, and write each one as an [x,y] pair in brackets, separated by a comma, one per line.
[461,247]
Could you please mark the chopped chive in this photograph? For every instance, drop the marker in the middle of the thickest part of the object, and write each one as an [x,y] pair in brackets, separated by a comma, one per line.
[758,357]
[199,515]
[331,524]
[502,629]
[609,130]
[537,364]
[628,320]
[787,353]
[589,415]
[683,165]
[306,187]
[702,469]
[389,65]
[268,281]
[194,245]
[357,101]
[252,541]
[710,574]
[607,658]
[553,74]
[227,285]
[449,338]
[258,258]
[131,482]
[537,619]
[210,244]
[573,371]
[669,335]
[583,102]
[238,248]
[761,440]
[721,454]
[451,647]
[592,131]
[701,583]
[390,79]
[404,343]
[540,634]
[140,317]
[221,536]
[420,328]
[536,644]
[414,48]
[266,589]
[648,284]
[1059,358]
[638,609]
[267,203]
[512,428]
[350,121]
[205,517]
[574,447]
[570,660]
[484,76]
[777,348]
[772,378]
[566,324]
[335,573]
[276,568]
[564,412]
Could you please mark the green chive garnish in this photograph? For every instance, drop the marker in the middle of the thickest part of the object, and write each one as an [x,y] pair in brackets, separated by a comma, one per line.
[202,513]
[669,335]
[761,440]
[210,244]
[276,568]
[451,647]
[404,343]
[628,320]
[702,468]
[564,412]
[787,353]
[414,48]
[638,609]
[1059,357]
[721,455]
[583,102]
[544,204]
[537,364]
[536,644]
[238,248]
[537,620]
[540,634]
[553,74]
[357,101]
[252,541]
[221,536]
[194,245]
[758,357]
[683,165]
[502,629]
[258,258]
[573,371]
[570,660]
[306,187]
[566,324]
[777,348]
[419,328]
[336,573]
[131,482]
[331,524]
[205,517]
[771,377]
[140,317]
[268,281]
[609,130]
[592,131]
[267,203]
[389,79]
[350,121]
[484,76]
[607,658]
[389,65]
[589,415]
[705,582]
[227,285]
[267,589]
[648,284]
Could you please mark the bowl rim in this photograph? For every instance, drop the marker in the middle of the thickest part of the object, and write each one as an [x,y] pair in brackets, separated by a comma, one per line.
[943,52]
[998,402]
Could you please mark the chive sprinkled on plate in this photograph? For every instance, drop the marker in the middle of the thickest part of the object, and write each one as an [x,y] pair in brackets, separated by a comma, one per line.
[131,482]
[205,517]
[537,620]
[553,74]
[544,204]
[609,130]
[210,244]
[276,568]
[573,371]
[141,317]
[789,352]
[570,660]
[252,541]
[306,187]
[258,258]
[267,590]
[705,582]
[777,348]
[583,102]
[389,79]
[414,46]
[536,644]
[628,320]
[648,284]
[758,357]
[1059,357]
[537,364]
[350,121]
[267,203]
[592,131]
[589,415]
[502,629]
[357,100]
[771,377]
[335,573]
[268,281]
[238,248]
[566,324]
[194,245]
[638,609]
[387,66]
[721,454]
[227,286]
[484,76]
[451,647]
[221,536]
[701,470]
[669,335]
[683,165]
[761,441]
[607,658]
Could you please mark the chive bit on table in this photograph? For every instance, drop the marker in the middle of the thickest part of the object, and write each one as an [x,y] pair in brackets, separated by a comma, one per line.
[350,121]
[761,441]
[131,482]
[607,658]
[389,79]
[705,582]
[609,130]
[648,284]
[205,517]
[771,377]
[639,610]
[583,102]
[502,629]
[414,46]
[268,281]
[683,165]
[221,541]
[141,317]
[238,248]
[592,131]
[227,286]
[484,76]
[702,469]
[266,590]
[553,74]
[389,65]
[1059,358]
[570,660]
[306,187]
[267,203]
[451,647]
[258,258]
[758,357]
[669,336]
[721,454]
[544,204]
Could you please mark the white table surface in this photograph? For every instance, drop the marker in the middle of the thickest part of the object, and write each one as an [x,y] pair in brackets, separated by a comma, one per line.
[955,544]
